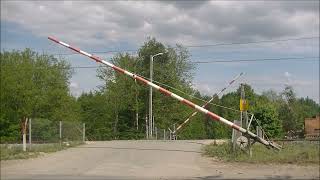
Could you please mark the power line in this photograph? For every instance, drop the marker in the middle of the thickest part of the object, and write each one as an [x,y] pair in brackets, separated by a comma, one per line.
[218,105]
[229,61]
[255,60]
[251,42]
[201,46]
[304,59]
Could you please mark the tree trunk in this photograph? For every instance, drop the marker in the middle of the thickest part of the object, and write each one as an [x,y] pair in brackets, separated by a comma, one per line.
[24,123]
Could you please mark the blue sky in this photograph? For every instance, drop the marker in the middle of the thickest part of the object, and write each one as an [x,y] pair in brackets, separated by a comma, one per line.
[103,26]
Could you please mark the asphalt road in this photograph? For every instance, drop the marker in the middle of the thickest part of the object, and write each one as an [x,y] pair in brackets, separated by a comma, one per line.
[144,160]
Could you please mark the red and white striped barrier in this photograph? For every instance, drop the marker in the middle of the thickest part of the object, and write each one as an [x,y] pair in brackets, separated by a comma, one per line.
[207,103]
[167,93]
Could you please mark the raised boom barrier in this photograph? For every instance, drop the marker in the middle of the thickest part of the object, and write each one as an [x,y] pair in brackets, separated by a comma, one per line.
[168,93]
[207,103]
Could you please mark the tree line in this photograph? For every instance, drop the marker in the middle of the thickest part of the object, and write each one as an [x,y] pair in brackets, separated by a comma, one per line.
[36,85]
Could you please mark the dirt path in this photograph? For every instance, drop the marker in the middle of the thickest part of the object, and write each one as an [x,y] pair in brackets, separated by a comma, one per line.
[144,160]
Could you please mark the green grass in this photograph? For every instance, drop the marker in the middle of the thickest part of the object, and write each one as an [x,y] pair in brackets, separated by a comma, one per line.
[8,152]
[293,153]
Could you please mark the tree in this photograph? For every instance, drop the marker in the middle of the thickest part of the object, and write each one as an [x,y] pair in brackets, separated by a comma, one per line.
[287,112]
[123,93]
[97,115]
[130,99]
[267,116]
[34,86]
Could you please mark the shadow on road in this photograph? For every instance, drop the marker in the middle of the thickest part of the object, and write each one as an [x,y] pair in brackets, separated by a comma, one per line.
[139,149]
[81,177]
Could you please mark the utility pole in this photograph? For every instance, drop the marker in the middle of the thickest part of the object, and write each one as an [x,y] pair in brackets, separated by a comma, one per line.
[136,99]
[244,116]
[150,94]
[244,103]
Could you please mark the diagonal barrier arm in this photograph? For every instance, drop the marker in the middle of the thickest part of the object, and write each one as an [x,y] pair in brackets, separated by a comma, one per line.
[207,103]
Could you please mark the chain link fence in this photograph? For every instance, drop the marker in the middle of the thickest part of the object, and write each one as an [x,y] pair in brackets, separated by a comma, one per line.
[162,134]
[44,131]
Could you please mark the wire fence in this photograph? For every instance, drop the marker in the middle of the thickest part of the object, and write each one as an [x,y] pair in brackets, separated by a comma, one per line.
[45,131]
[161,134]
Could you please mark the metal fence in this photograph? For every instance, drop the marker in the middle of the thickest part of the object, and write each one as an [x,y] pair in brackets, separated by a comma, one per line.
[162,134]
[45,131]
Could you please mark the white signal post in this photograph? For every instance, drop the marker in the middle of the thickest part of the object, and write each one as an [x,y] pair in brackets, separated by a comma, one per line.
[186,102]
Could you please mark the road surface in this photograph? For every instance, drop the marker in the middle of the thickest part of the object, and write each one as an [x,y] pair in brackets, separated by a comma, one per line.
[144,160]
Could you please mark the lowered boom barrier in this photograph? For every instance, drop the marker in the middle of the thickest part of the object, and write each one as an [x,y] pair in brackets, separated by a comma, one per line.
[212,115]
[207,103]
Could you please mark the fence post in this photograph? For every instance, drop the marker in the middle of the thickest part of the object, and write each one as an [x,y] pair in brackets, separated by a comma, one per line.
[24,134]
[30,143]
[164,134]
[153,129]
[147,130]
[235,135]
[24,139]
[60,131]
[174,130]
[84,132]
[156,130]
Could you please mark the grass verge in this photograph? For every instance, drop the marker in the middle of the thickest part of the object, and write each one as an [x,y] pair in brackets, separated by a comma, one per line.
[292,153]
[14,151]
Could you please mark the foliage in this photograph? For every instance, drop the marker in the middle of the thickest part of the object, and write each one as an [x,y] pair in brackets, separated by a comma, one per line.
[33,86]
[269,120]
[293,111]
[117,110]
[44,129]
[127,100]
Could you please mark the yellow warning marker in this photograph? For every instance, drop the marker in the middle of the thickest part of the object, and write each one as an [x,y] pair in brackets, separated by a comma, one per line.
[244,105]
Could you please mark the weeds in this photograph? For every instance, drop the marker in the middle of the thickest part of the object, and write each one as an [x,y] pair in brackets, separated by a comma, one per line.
[298,153]
[14,151]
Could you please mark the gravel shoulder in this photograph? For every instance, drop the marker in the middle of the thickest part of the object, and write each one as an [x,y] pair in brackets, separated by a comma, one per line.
[145,160]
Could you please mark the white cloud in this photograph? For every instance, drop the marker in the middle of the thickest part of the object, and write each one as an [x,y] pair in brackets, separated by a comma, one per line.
[75,89]
[108,23]
[74,85]
[204,88]
[288,78]
[188,22]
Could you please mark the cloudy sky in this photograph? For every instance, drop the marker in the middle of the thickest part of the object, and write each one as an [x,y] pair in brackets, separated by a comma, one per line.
[122,25]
